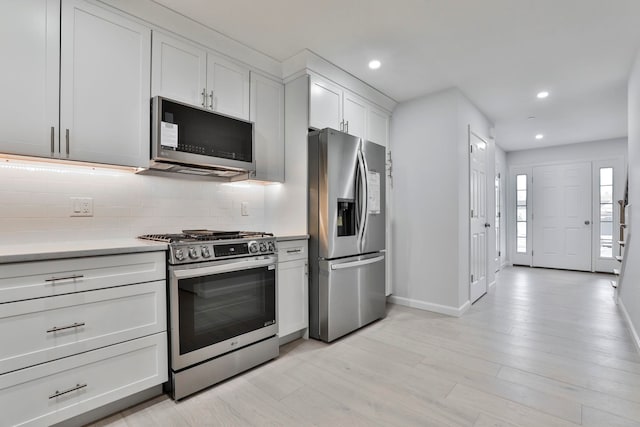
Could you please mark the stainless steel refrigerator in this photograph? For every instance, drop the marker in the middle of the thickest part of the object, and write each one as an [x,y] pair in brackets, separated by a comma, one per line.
[347,233]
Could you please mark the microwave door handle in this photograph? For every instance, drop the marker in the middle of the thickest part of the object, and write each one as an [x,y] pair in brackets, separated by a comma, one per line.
[226,268]
[357,263]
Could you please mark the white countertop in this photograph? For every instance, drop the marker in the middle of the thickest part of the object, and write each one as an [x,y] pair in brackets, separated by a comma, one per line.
[74,249]
[292,237]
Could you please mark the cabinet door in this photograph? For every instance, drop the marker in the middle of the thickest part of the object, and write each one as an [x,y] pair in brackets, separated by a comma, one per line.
[378,126]
[178,70]
[325,104]
[293,297]
[228,87]
[29,77]
[355,115]
[267,112]
[104,86]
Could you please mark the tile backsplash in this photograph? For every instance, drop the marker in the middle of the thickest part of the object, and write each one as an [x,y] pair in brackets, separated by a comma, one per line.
[35,203]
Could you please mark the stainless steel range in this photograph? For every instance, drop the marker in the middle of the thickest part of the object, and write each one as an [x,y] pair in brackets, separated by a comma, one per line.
[222,305]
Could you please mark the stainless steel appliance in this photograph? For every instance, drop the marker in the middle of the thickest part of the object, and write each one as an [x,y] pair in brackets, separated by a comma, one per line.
[197,141]
[222,305]
[347,233]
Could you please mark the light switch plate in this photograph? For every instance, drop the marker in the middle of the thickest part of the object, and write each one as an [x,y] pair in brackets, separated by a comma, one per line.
[244,208]
[81,206]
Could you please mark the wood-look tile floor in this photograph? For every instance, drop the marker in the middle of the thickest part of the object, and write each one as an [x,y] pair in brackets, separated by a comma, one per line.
[542,348]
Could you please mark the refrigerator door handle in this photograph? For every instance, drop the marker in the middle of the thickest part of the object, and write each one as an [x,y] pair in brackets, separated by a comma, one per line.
[357,263]
[366,199]
[363,200]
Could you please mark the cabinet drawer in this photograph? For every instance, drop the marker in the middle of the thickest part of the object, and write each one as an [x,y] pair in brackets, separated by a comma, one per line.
[25,280]
[291,250]
[44,329]
[36,396]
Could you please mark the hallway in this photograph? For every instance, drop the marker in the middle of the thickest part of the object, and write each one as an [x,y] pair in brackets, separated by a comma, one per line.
[542,348]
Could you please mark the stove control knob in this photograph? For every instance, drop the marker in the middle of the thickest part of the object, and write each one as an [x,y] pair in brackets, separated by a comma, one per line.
[193,253]
[205,252]
[272,247]
[253,247]
[179,254]
[263,247]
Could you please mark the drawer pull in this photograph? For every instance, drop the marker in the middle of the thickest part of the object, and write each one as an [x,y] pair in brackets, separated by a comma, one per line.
[294,251]
[60,393]
[62,328]
[55,279]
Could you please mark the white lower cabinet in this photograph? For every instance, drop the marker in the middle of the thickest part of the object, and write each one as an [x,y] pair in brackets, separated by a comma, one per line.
[52,392]
[293,287]
[79,333]
[56,327]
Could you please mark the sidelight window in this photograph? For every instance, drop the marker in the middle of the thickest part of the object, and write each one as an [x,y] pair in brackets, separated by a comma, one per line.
[521,214]
[606,212]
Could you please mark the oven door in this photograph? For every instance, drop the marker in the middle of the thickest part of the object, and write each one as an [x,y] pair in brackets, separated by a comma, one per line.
[220,306]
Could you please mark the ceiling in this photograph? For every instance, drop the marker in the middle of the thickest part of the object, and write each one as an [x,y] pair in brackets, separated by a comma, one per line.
[500,53]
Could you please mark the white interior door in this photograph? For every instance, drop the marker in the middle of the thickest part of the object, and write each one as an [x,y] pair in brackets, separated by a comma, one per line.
[562,216]
[478,218]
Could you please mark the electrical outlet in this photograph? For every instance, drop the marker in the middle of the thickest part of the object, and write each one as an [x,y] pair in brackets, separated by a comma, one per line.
[81,206]
[244,208]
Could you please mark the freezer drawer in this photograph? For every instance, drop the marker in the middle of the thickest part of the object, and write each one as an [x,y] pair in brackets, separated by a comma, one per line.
[351,294]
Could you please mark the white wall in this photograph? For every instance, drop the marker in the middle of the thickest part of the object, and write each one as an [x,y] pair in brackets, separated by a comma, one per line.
[501,168]
[568,153]
[35,205]
[630,286]
[431,200]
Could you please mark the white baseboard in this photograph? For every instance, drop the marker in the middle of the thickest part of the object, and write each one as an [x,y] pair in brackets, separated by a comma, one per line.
[429,306]
[632,329]
[492,284]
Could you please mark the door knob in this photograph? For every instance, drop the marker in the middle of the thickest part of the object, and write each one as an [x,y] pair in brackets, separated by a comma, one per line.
[587,222]
[487,225]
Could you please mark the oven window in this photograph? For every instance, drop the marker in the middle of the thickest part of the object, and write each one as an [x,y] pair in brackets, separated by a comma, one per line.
[218,307]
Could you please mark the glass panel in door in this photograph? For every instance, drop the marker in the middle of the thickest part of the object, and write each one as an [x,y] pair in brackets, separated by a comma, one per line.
[217,307]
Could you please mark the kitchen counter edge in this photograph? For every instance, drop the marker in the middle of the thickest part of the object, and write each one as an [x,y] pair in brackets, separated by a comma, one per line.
[71,249]
[292,237]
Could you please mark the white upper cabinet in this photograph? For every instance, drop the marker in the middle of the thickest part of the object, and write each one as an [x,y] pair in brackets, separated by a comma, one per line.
[227,87]
[187,73]
[75,84]
[267,113]
[355,115]
[104,86]
[325,104]
[378,126]
[179,70]
[29,78]
[333,106]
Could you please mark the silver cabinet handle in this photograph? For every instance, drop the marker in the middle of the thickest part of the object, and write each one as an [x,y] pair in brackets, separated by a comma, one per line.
[342,126]
[62,328]
[60,393]
[73,277]
[211,104]
[346,126]
[53,140]
[294,251]
[67,138]
[204,98]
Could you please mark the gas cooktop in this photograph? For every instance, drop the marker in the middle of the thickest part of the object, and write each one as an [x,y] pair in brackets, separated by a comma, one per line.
[204,235]
[210,245]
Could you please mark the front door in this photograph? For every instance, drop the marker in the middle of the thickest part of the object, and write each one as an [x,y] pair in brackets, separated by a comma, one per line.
[562,216]
[478,216]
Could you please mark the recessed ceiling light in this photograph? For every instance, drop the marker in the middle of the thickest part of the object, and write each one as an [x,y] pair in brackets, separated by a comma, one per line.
[375,64]
[542,94]
[531,117]
[539,136]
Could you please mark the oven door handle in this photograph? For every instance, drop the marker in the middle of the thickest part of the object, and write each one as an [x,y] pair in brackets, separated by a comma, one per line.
[226,268]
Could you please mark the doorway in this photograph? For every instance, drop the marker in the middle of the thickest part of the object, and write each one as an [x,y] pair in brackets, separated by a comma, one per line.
[478,216]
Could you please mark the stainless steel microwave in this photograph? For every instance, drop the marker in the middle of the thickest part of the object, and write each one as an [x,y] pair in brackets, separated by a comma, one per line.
[196,141]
